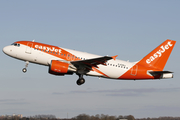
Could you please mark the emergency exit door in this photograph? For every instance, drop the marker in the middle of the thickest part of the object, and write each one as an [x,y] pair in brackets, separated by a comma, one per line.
[29,47]
[134,70]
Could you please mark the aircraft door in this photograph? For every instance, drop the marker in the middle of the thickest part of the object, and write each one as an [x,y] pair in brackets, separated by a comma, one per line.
[134,70]
[29,47]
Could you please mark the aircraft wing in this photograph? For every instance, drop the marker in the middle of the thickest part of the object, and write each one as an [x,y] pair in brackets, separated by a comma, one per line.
[89,63]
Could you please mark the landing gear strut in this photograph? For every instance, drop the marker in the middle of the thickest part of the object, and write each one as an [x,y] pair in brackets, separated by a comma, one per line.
[81,80]
[25,69]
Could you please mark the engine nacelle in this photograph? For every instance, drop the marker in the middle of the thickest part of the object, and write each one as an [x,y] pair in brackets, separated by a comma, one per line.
[59,68]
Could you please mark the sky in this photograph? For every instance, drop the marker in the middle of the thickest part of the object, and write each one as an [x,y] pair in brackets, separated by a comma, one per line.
[129,29]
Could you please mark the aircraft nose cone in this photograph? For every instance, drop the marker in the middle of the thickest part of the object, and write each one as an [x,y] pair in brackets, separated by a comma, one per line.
[5,50]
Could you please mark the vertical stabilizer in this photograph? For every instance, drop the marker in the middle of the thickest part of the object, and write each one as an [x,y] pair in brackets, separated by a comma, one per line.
[158,57]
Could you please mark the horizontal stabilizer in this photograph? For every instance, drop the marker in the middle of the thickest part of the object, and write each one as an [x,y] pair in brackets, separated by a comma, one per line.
[163,74]
[159,72]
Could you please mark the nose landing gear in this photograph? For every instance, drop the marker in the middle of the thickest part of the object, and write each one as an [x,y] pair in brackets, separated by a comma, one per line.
[81,80]
[25,69]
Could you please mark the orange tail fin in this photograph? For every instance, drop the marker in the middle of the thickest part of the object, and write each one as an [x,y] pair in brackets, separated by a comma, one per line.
[158,57]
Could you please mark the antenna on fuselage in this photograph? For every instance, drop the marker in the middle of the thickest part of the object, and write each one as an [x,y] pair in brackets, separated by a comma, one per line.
[33,40]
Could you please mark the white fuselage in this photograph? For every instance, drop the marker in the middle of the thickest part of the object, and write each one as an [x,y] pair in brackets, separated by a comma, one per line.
[114,68]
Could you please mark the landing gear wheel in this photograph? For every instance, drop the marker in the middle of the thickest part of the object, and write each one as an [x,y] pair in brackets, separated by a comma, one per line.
[24,70]
[80,81]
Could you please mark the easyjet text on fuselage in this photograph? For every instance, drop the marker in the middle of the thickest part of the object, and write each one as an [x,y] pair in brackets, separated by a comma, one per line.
[53,49]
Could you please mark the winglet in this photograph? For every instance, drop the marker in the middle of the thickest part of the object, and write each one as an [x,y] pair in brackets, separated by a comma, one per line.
[114,57]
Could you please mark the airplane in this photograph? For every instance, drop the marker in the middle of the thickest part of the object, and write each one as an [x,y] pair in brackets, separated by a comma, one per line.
[62,61]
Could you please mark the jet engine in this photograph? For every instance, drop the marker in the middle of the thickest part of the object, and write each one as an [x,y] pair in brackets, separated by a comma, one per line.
[59,68]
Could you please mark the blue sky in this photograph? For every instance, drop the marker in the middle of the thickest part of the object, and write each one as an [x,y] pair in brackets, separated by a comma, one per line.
[129,29]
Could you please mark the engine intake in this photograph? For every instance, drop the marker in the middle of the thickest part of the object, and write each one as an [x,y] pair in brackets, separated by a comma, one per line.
[59,68]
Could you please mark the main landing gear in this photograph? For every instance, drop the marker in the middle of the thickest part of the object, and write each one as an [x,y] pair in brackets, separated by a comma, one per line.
[81,80]
[25,69]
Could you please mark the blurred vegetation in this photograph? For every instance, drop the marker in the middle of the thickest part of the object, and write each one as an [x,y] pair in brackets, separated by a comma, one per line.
[85,117]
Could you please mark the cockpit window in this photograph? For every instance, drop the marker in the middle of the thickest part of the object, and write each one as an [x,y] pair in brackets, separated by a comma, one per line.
[16,44]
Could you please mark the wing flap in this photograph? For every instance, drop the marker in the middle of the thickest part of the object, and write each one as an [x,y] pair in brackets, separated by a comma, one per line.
[89,63]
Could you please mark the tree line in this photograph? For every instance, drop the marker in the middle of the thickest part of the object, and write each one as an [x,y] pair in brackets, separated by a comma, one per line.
[85,117]
[160,118]
[102,117]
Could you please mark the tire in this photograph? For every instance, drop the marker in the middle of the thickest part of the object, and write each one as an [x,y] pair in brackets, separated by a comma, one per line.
[24,70]
[80,81]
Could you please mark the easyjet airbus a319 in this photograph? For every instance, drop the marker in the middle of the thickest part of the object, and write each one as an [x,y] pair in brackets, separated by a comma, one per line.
[62,61]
